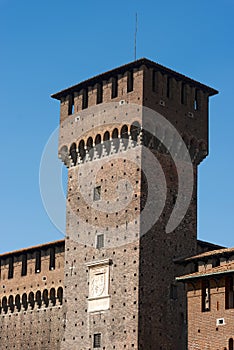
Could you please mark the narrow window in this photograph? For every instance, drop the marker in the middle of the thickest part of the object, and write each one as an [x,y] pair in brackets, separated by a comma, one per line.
[4,304]
[71,105]
[11,267]
[229,295]
[24,265]
[168,87]
[38,262]
[97,193]
[73,154]
[100,241]
[99,93]
[216,262]
[154,81]
[114,89]
[130,81]
[25,301]
[85,99]
[183,94]
[45,297]
[230,344]
[196,100]
[52,258]
[60,295]
[97,340]
[205,296]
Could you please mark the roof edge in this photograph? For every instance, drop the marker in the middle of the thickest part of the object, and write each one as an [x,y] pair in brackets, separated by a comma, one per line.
[36,247]
[186,277]
[131,65]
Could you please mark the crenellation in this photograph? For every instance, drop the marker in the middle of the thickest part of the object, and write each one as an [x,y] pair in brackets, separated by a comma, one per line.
[92,95]
[77,101]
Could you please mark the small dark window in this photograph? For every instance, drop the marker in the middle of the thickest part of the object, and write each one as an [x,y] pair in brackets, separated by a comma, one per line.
[230,344]
[173,292]
[99,93]
[97,340]
[196,100]
[130,81]
[97,193]
[11,267]
[60,295]
[38,262]
[216,262]
[183,94]
[100,241]
[205,296]
[52,258]
[85,99]
[73,154]
[114,90]
[24,265]
[168,87]
[154,81]
[229,293]
[71,105]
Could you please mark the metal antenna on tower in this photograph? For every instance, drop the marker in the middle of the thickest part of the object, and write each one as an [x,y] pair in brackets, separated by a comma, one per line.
[135,44]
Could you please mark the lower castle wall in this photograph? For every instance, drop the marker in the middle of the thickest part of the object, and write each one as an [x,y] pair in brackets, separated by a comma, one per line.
[36,329]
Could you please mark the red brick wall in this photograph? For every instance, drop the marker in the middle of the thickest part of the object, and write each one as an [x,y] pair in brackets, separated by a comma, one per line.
[203,331]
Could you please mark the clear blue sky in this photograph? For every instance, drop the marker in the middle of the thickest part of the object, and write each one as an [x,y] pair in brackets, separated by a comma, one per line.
[49,45]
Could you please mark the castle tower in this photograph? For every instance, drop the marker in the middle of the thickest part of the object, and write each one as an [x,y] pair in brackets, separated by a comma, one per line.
[131,204]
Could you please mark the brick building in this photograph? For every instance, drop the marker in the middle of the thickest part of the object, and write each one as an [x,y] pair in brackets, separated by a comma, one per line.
[112,283]
[31,293]
[210,296]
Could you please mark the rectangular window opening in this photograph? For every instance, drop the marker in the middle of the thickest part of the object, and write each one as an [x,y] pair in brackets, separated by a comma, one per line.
[52,258]
[196,100]
[114,88]
[11,268]
[97,340]
[168,87]
[215,262]
[100,241]
[97,193]
[154,81]
[220,322]
[85,99]
[99,93]
[71,105]
[183,94]
[24,265]
[229,294]
[130,81]
[38,262]
[205,296]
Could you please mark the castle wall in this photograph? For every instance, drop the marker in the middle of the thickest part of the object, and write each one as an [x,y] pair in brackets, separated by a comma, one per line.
[31,294]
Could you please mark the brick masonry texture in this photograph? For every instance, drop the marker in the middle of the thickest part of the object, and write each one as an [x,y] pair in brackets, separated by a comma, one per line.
[103,149]
[31,305]
[143,314]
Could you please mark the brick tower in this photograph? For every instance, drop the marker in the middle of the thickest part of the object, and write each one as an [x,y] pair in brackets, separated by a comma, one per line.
[120,290]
